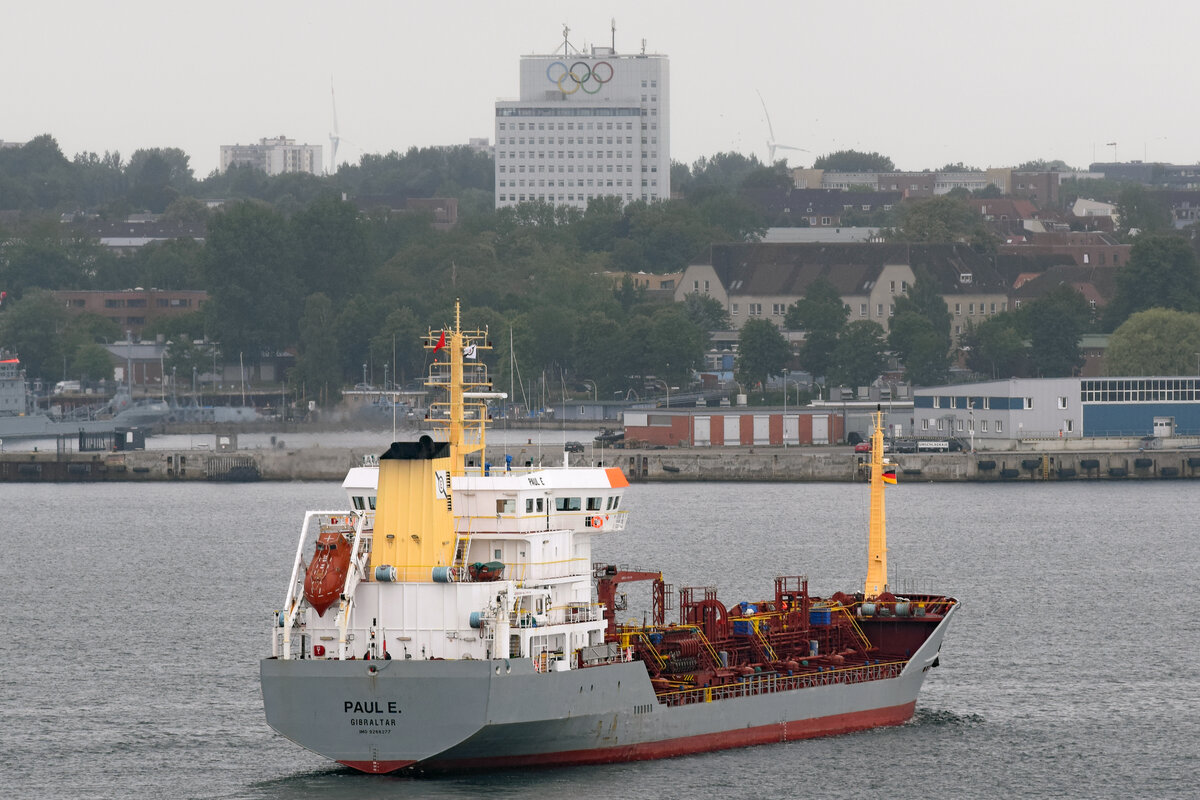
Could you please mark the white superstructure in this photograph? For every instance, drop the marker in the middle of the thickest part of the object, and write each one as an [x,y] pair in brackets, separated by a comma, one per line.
[587,124]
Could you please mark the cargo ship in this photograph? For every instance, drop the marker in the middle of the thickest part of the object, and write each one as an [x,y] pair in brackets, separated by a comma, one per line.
[451,618]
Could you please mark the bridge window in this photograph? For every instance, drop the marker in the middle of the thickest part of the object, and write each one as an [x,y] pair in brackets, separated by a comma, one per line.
[567,504]
[359,504]
[593,503]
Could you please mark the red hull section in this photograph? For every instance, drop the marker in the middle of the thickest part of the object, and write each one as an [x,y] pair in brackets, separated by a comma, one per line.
[669,748]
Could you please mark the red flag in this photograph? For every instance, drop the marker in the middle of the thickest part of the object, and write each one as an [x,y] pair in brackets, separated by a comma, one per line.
[441,342]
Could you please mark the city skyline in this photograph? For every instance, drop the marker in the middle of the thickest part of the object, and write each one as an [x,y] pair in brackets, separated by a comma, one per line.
[1063,80]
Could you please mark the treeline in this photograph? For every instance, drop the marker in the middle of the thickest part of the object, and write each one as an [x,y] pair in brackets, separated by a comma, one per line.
[289,264]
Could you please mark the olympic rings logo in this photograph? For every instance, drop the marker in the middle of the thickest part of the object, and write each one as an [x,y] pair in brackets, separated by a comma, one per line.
[580,75]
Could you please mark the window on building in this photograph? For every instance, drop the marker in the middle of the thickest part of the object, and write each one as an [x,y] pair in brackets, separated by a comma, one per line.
[862,309]
[999,426]
[734,309]
[958,309]
[1028,403]
[983,426]
[925,424]
[1067,425]
[1062,402]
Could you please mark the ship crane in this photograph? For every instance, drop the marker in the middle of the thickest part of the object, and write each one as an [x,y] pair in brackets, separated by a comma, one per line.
[607,581]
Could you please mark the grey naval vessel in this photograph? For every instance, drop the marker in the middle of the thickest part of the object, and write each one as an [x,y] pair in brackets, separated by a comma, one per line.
[451,618]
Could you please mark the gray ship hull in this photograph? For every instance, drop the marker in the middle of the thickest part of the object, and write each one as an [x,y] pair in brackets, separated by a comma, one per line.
[381,716]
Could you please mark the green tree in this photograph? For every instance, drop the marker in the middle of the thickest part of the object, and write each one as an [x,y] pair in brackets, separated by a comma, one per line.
[939,219]
[854,161]
[600,354]
[762,351]
[706,312]
[722,171]
[1141,210]
[996,347]
[676,344]
[332,248]
[1162,272]
[249,261]
[860,354]
[317,373]
[30,326]
[157,176]
[822,315]
[397,343]
[1043,165]
[91,362]
[924,297]
[1157,341]
[184,358]
[1055,322]
[919,347]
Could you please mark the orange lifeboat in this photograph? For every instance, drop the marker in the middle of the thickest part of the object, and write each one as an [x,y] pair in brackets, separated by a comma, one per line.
[326,575]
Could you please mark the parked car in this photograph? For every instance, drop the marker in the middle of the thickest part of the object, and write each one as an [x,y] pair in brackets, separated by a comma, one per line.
[573,447]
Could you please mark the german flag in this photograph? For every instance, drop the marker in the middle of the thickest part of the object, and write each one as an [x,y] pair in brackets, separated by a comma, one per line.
[889,474]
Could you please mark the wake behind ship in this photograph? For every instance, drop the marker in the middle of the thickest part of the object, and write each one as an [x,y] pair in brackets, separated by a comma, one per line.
[452,618]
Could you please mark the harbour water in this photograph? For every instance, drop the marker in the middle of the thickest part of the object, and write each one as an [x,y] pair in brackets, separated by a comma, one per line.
[136,615]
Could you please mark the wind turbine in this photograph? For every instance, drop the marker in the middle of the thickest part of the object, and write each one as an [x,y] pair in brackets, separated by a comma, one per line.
[333,137]
[772,145]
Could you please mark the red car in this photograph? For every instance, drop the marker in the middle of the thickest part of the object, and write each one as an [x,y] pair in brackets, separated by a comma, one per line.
[863,447]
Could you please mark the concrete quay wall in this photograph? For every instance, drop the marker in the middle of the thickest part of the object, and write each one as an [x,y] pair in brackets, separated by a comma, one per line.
[830,464]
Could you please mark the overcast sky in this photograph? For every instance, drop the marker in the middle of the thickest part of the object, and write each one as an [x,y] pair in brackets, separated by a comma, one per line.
[925,83]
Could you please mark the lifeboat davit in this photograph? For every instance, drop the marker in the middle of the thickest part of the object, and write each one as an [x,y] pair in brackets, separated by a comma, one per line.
[326,575]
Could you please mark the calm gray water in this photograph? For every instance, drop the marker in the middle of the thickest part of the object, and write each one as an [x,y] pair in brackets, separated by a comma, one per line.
[136,615]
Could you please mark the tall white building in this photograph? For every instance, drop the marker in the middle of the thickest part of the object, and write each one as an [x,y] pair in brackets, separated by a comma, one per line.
[274,156]
[587,125]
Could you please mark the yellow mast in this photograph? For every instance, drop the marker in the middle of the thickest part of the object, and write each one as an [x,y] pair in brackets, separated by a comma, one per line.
[462,416]
[876,582]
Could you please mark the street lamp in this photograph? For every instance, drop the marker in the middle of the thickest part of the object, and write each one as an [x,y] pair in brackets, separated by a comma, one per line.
[595,391]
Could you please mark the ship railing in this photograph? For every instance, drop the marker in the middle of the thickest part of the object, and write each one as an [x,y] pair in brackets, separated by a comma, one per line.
[858,632]
[282,645]
[659,659]
[772,682]
[357,571]
[572,613]
[712,651]
[766,645]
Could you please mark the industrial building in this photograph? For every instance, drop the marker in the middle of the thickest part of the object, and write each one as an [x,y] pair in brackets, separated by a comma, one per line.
[1038,408]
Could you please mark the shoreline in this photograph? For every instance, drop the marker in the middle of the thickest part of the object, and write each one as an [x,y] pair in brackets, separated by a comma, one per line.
[830,464]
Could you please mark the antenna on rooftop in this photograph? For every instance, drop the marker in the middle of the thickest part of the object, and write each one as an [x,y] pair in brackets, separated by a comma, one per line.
[614,34]
[566,45]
